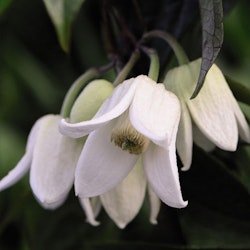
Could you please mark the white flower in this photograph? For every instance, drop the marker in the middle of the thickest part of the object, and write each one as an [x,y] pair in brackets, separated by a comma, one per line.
[140,118]
[212,118]
[52,157]
[123,202]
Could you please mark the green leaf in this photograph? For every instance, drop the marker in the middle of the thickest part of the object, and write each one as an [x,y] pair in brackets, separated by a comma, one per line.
[62,14]
[212,36]
[4,4]
[35,76]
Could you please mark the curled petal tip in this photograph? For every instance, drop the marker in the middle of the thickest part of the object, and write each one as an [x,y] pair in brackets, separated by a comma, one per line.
[185,168]
[16,173]
[93,222]
[153,221]
[180,204]
[88,209]
[61,126]
[69,129]
[185,203]
[64,128]
[230,147]
[121,225]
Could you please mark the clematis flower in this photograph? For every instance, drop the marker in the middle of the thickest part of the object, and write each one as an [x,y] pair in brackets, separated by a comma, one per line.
[52,157]
[140,119]
[211,119]
[124,201]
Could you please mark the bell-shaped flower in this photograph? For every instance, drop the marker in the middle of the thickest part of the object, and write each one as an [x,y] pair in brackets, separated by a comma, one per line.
[139,119]
[213,118]
[52,157]
[124,201]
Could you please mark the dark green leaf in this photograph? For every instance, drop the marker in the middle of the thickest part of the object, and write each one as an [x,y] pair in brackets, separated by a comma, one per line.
[62,14]
[4,5]
[212,36]
[28,69]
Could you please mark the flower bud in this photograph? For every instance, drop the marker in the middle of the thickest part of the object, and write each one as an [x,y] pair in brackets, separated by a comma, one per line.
[90,99]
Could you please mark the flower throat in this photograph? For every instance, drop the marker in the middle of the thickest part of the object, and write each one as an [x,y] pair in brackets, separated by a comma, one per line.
[127,137]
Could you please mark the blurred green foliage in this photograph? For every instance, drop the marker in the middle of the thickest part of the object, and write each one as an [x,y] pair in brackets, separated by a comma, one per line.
[35,74]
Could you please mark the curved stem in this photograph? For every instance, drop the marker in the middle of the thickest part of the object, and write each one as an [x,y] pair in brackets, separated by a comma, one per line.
[154,67]
[178,50]
[79,83]
[127,68]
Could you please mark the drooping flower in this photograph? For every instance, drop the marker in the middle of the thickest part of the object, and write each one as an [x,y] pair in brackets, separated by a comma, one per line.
[213,118]
[52,157]
[139,119]
[124,201]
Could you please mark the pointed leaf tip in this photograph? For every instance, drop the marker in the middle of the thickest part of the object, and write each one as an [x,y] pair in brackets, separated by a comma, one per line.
[212,37]
[62,14]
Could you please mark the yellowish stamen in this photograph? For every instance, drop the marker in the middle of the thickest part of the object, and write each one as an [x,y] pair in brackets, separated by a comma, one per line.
[127,137]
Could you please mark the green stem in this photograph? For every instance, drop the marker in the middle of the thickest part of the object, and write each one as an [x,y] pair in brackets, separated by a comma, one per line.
[78,85]
[154,67]
[127,68]
[178,50]
[75,89]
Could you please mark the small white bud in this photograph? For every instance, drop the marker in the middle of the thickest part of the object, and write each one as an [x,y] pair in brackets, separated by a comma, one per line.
[90,100]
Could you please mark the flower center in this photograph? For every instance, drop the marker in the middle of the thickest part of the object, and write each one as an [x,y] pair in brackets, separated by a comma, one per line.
[127,137]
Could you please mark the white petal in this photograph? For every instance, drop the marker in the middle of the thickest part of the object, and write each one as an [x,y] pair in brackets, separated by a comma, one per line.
[86,206]
[241,121]
[17,173]
[24,164]
[102,165]
[154,111]
[162,173]
[123,202]
[180,81]
[201,140]
[184,142]
[52,205]
[53,165]
[155,205]
[212,110]
[111,108]
[96,205]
